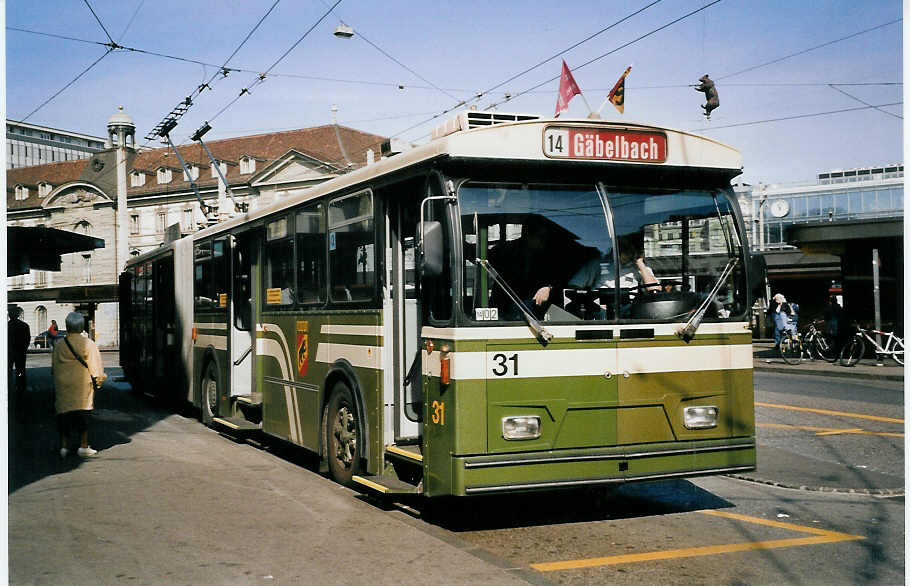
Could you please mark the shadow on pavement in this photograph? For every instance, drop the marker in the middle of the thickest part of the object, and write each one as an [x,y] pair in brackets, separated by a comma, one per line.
[33,439]
[569,506]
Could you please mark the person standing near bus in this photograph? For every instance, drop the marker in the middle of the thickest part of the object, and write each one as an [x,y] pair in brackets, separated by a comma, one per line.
[77,370]
[19,336]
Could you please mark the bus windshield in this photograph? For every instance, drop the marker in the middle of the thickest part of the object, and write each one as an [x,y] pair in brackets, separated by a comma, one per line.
[558,248]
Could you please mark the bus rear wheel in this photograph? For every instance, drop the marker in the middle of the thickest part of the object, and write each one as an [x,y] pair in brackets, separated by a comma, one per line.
[343,435]
[209,394]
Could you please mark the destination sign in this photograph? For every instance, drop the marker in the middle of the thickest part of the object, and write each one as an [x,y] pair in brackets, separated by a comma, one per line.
[605,144]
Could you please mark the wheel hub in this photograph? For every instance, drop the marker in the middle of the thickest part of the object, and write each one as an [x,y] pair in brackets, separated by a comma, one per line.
[345,434]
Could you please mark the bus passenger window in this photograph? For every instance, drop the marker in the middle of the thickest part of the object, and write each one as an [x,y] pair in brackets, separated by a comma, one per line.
[220,275]
[202,275]
[311,255]
[352,252]
[278,269]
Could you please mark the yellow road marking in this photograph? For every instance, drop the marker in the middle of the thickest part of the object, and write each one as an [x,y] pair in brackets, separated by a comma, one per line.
[829,430]
[819,536]
[828,412]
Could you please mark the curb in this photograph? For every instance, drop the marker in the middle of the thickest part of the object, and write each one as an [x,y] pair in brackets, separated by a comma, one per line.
[881,492]
[844,372]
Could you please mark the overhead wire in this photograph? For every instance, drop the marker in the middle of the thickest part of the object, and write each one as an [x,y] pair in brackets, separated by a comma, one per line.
[798,116]
[71,82]
[852,97]
[804,51]
[101,24]
[132,18]
[260,78]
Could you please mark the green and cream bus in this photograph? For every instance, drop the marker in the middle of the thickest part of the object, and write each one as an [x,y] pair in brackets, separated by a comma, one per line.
[518,304]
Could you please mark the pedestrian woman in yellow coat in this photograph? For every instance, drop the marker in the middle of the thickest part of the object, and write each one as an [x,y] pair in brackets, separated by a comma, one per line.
[76,361]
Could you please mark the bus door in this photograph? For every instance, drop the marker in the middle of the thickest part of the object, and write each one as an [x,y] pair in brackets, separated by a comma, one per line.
[402,218]
[243,246]
[166,346]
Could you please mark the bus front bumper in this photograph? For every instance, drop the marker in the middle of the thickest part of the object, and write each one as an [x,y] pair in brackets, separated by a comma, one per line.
[572,468]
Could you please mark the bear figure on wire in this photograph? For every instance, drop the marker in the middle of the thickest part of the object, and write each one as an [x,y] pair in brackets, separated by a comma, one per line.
[710,91]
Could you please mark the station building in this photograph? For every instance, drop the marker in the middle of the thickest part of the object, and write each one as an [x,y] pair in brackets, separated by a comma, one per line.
[30,144]
[818,238]
[134,200]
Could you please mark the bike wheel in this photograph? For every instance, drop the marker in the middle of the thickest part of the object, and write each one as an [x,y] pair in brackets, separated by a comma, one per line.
[852,352]
[824,348]
[898,348]
[790,349]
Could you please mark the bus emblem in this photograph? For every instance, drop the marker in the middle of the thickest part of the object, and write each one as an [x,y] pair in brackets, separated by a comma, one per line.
[303,347]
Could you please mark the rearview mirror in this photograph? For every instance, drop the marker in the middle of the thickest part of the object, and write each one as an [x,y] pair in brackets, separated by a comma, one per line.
[431,258]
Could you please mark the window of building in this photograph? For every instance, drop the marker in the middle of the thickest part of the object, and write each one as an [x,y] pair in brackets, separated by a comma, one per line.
[86,268]
[137,179]
[189,223]
[193,174]
[44,189]
[21,192]
[161,221]
[40,278]
[351,247]
[40,318]
[134,223]
[221,165]
[278,276]
[310,226]
[164,175]
[247,165]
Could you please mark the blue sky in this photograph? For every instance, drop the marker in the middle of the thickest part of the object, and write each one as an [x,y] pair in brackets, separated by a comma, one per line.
[442,53]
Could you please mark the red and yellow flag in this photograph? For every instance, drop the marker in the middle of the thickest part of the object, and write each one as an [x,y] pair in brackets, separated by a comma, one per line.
[618,94]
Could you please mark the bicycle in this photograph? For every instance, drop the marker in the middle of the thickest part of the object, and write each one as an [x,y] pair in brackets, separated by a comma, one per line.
[818,344]
[791,347]
[855,349]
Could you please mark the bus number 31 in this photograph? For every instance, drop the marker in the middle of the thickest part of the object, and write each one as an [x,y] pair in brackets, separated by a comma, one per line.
[502,367]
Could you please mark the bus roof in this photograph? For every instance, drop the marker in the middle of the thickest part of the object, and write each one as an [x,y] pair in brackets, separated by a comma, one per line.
[525,138]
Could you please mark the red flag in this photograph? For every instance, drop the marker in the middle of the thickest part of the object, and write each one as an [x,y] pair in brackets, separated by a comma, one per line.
[618,94]
[568,89]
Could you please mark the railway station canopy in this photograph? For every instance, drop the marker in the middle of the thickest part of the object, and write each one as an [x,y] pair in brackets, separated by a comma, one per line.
[39,248]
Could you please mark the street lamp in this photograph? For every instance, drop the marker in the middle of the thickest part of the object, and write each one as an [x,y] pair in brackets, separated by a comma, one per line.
[343,31]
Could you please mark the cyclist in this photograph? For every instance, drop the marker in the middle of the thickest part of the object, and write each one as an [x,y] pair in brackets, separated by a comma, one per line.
[779,311]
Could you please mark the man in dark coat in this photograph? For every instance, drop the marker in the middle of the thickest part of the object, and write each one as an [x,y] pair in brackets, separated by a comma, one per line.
[18,338]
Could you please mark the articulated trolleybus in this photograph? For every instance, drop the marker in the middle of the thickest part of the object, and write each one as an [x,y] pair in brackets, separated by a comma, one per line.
[519,304]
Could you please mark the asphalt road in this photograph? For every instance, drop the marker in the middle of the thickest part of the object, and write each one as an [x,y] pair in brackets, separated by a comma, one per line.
[170,501]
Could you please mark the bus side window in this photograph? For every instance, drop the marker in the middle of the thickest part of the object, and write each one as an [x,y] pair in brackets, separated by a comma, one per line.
[278,267]
[352,250]
[220,274]
[310,226]
[202,275]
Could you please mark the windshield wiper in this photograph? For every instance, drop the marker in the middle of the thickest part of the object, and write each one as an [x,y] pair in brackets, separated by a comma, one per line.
[543,336]
[687,332]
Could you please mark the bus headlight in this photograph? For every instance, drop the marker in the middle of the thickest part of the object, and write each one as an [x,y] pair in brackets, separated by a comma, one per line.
[523,427]
[701,417]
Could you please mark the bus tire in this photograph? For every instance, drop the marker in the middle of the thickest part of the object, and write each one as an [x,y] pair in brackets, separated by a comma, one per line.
[210,390]
[343,435]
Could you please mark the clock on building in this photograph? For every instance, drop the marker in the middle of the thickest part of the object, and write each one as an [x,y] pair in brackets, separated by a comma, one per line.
[780,208]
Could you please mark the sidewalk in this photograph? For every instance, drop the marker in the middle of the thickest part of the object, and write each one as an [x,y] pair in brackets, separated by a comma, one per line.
[766,358]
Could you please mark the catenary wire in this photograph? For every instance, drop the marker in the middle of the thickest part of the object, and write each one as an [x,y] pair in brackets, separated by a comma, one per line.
[852,97]
[71,82]
[101,24]
[132,18]
[798,116]
[804,51]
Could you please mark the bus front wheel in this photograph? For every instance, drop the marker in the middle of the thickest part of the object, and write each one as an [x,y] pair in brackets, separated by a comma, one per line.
[343,435]
[210,393]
